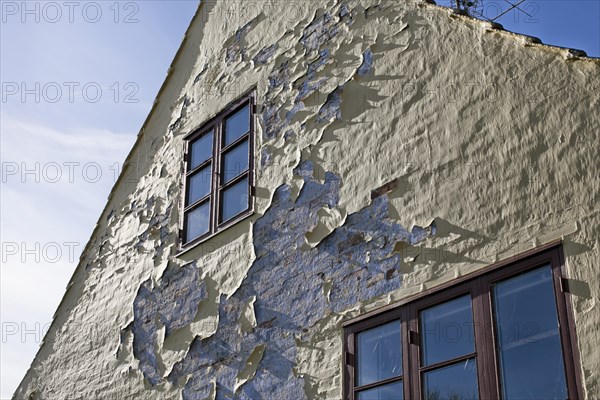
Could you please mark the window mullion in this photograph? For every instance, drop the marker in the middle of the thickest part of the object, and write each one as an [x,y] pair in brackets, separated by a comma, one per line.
[252,158]
[350,365]
[413,352]
[406,373]
[487,373]
[216,174]
[184,195]
[566,328]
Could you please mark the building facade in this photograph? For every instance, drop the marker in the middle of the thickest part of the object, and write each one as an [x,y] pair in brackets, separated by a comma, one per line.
[363,199]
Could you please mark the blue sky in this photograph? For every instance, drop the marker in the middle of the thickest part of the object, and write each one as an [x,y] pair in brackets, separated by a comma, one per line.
[97,77]
[565,23]
[77,85]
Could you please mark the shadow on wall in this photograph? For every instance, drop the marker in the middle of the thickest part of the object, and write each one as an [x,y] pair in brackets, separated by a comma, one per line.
[447,235]
[294,288]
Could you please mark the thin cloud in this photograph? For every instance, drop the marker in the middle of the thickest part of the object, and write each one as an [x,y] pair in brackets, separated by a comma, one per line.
[43,212]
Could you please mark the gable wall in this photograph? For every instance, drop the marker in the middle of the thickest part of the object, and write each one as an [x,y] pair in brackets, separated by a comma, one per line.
[492,140]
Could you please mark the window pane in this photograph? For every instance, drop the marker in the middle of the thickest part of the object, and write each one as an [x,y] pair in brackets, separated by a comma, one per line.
[529,346]
[197,221]
[237,125]
[201,149]
[379,354]
[447,331]
[454,382]
[199,185]
[235,161]
[234,200]
[391,391]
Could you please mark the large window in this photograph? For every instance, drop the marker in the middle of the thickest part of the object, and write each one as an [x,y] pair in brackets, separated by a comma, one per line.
[219,163]
[503,333]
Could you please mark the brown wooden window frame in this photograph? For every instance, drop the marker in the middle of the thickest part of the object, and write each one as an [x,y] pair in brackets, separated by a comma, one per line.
[479,285]
[217,184]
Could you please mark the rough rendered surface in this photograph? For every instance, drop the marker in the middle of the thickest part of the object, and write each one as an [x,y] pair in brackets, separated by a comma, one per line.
[492,141]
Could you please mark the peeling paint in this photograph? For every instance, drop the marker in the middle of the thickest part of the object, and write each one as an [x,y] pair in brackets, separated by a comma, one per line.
[367,65]
[332,107]
[236,50]
[248,318]
[251,366]
[285,303]
[319,31]
[350,96]
[265,55]
[171,305]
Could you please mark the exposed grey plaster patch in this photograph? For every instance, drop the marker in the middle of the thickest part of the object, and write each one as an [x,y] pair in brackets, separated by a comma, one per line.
[299,106]
[232,53]
[332,107]
[367,64]
[104,248]
[182,290]
[150,202]
[316,65]
[265,55]
[289,134]
[199,76]
[344,10]
[186,101]
[235,50]
[319,31]
[265,157]
[173,303]
[279,76]
[309,85]
[272,122]
[346,14]
[110,214]
[351,265]
[175,125]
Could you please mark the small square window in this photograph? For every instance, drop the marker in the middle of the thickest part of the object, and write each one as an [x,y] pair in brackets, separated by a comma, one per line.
[219,163]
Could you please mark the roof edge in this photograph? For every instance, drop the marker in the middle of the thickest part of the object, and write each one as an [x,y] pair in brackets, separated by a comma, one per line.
[568,53]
